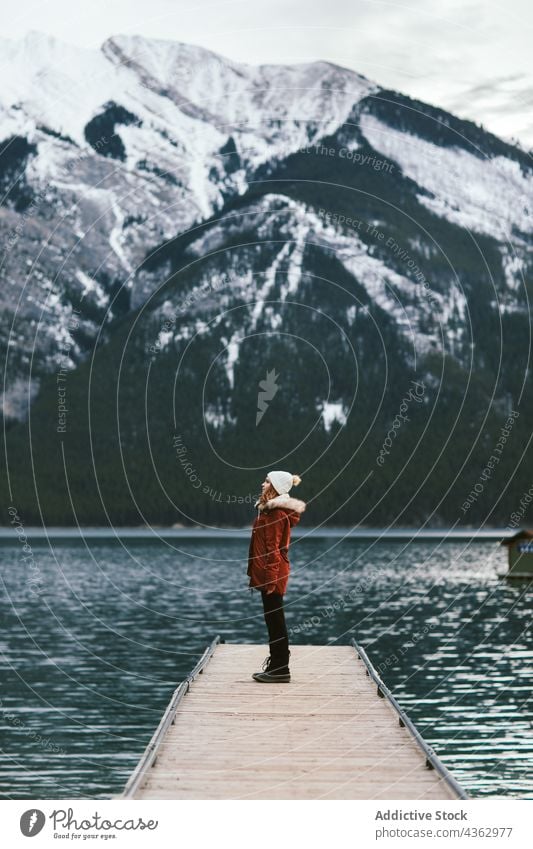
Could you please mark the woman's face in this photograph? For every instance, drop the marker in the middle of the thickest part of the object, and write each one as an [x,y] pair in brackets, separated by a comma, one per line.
[265,485]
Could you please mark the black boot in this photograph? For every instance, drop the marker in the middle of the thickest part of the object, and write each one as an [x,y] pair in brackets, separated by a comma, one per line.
[274,671]
[277,677]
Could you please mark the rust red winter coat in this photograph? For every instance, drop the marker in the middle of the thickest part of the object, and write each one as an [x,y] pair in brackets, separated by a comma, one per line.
[268,556]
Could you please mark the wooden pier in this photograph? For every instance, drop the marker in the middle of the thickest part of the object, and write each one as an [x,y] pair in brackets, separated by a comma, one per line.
[334,732]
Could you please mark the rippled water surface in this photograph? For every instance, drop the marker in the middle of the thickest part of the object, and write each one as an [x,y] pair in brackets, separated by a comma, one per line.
[89,665]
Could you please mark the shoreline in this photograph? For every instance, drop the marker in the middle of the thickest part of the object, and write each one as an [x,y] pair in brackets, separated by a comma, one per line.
[155,534]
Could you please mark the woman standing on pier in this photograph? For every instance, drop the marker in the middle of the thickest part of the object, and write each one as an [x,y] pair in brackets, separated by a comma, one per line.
[268,565]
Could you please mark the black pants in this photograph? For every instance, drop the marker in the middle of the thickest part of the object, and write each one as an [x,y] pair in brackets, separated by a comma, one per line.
[277,630]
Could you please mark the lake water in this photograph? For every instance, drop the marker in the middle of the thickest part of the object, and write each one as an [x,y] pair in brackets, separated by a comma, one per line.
[90,663]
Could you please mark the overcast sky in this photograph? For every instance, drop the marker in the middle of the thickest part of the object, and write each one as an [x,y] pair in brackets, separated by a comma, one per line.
[473,58]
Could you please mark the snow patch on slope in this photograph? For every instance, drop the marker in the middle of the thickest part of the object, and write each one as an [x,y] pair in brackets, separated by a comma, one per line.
[332,412]
[491,197]
[277,218]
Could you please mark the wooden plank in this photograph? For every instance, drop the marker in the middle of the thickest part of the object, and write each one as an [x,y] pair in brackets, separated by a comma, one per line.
[326,734]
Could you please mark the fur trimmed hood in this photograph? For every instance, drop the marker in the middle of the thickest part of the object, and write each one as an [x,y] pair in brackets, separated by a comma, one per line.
[286,502]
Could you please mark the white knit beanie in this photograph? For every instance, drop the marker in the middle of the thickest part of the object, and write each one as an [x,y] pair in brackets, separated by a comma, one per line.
[283,481]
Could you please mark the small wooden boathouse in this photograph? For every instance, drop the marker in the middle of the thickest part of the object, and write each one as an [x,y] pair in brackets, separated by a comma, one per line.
[334,732]
[520,554]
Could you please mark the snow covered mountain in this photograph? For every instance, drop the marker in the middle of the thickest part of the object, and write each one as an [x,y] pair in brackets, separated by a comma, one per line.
[158,194]
[107,153]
